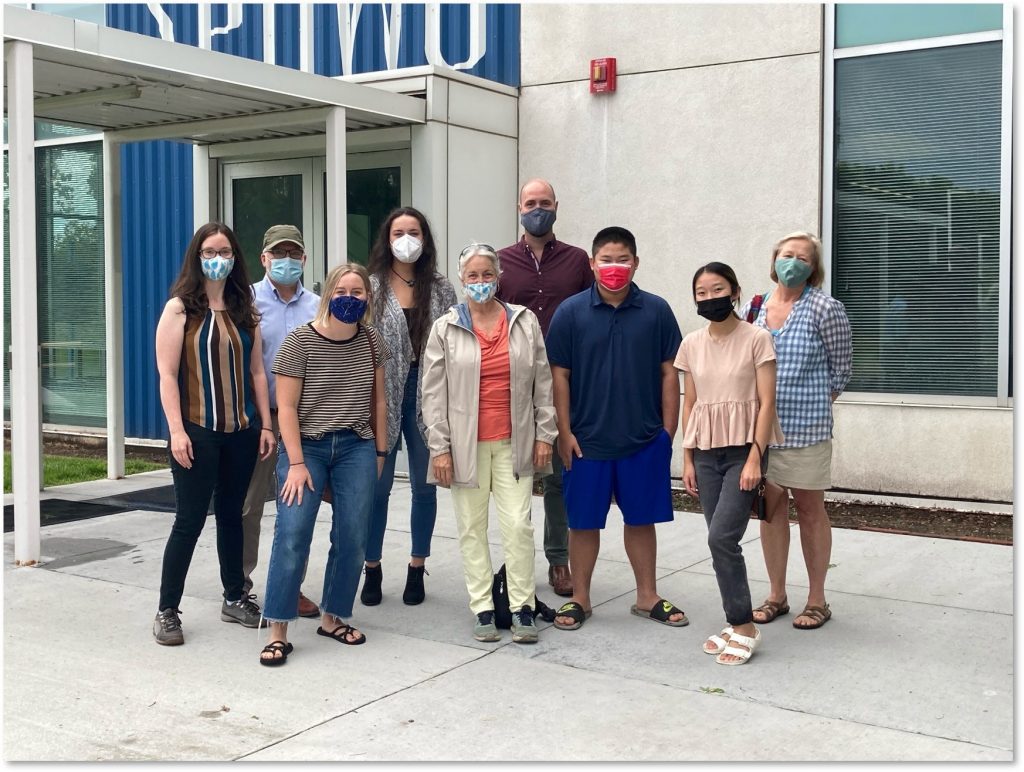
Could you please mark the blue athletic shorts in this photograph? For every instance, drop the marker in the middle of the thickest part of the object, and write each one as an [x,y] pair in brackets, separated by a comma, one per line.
[640,482]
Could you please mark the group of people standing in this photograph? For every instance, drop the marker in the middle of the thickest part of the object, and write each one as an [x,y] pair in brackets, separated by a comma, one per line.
[555,365]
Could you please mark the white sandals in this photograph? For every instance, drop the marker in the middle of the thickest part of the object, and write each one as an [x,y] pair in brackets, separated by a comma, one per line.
[718,641]
[743,654]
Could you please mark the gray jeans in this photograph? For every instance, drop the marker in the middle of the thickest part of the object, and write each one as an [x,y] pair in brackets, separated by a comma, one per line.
[727,512]
[556,523]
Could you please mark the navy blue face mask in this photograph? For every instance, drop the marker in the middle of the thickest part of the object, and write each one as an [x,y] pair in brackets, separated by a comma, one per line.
[538,222]
[348,308]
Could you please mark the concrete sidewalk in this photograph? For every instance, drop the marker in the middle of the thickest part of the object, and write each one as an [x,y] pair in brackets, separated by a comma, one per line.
[916,664]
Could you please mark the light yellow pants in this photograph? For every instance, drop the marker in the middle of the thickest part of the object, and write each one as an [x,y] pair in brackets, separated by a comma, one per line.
[512,499]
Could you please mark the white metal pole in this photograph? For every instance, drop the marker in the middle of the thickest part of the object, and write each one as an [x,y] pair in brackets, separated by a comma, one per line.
[114,321]
[202,196]
[337,203]
[26,439]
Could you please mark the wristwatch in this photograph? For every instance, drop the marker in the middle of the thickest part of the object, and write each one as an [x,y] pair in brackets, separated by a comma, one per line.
[382,454]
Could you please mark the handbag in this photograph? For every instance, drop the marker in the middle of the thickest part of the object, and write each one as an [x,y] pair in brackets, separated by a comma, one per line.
[502,611]
[758,508]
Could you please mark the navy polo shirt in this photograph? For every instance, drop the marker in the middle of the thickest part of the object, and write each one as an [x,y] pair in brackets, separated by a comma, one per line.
[615,356]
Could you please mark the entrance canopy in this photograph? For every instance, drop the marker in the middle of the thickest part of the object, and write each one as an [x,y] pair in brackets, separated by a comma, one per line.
[135,88]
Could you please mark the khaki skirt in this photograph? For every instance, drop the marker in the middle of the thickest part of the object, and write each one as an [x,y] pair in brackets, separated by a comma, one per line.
[807,468]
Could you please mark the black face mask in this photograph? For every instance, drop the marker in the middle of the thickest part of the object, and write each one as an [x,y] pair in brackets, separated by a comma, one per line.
[716,309]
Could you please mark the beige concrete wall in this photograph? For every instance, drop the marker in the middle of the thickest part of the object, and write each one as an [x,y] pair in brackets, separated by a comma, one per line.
[710,150]
[941,452]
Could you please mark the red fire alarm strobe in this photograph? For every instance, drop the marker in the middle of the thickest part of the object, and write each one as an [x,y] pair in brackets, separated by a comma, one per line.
[602,75]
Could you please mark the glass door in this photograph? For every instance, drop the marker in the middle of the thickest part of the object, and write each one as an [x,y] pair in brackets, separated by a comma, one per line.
[258,195]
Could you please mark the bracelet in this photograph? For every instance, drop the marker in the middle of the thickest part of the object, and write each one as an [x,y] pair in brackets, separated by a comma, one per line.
[265,429]
[382,454]
[298,463]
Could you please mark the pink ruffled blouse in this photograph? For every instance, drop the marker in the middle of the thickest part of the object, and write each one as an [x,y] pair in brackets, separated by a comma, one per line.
[724,372]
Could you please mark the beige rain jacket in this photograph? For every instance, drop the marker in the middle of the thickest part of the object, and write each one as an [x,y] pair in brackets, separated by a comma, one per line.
[450,377]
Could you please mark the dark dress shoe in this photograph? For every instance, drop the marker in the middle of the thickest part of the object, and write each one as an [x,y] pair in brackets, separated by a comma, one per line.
[561,580]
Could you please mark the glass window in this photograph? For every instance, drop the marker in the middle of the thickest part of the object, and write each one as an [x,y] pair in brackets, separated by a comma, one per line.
[93,12]
[860,24]
[372,195]
[69,245]
[916,225]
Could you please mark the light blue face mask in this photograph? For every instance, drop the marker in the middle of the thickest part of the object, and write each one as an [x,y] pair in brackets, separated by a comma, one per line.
[217,268]
[286,271]
[791,272]
[480,292]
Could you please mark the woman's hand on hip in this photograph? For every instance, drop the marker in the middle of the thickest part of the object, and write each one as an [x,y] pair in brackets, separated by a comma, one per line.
[443,470]
[750,475]
[298,479]
[181,449]
[690,479]
[541,454]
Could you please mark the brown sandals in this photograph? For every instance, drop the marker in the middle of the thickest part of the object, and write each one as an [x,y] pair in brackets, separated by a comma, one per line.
[771,609]
[820,615]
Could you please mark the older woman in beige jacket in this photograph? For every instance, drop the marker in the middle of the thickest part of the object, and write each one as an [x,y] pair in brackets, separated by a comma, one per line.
[490,419]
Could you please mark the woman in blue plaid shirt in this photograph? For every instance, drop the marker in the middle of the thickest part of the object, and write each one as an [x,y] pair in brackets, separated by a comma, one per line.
[813,347]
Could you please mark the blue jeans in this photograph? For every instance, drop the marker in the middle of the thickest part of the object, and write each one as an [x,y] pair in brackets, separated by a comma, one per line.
[727,513]
[424,497]
[350,464]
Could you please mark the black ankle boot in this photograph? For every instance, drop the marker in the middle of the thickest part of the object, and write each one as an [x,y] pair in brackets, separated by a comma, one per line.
[371,594]
[414,592]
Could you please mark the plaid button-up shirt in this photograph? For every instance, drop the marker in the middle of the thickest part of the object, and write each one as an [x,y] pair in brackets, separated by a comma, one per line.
[814,351]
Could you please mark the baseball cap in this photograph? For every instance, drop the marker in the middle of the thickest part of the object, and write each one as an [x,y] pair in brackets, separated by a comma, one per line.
[278,233]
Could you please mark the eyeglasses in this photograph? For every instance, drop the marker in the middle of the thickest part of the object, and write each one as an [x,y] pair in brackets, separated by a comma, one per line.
[477,247]
[277,254]
[209,254]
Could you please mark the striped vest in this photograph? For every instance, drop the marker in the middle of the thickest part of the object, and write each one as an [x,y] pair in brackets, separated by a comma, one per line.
[213,377]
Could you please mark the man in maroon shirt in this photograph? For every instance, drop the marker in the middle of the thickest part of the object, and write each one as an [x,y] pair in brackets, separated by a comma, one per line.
[539,272]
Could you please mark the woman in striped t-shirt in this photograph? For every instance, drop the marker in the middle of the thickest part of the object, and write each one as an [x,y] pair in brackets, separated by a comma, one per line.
[332,413]
[212,385]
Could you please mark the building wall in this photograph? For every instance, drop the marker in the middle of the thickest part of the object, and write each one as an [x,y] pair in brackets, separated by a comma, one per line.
[710,149]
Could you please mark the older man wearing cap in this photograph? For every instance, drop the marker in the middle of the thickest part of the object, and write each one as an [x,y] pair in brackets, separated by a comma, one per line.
[284,304]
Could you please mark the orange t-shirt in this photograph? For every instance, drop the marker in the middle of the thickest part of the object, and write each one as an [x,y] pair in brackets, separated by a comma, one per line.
[495,387]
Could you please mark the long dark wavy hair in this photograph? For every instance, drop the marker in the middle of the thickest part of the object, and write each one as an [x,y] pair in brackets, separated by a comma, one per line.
[425,268]
[189,286]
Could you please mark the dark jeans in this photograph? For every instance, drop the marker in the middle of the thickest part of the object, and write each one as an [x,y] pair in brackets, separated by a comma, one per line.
[727,512]
[424,496]
[222,466]
[556,525]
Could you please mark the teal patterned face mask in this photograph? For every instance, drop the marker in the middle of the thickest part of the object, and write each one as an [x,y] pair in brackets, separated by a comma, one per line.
[217,268]
[480,292]
[791,272]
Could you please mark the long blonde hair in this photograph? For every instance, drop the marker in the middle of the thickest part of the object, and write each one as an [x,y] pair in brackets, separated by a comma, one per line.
[331,284]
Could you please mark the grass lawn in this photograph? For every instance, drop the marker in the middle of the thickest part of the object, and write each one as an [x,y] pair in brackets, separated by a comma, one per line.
[61,470]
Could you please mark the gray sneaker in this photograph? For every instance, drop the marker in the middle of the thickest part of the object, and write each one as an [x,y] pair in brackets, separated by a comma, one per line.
[485,629]
[167,628]
[523,628]
[245,611]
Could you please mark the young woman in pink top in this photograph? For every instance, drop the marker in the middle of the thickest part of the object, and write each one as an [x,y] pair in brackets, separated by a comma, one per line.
[728,421]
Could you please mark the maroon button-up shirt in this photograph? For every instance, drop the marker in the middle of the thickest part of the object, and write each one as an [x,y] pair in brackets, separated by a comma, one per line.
[563,271]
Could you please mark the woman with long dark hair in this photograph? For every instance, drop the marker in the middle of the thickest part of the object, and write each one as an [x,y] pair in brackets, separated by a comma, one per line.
[213,390]
[409,294]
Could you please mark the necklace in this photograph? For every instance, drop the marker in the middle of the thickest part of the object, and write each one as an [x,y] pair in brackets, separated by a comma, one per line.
[408,282]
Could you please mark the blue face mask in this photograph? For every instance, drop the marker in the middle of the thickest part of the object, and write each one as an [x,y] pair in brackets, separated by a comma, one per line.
[792,272]
[538,222]
[348,308]
[217,268]
[286,270]
[480,292]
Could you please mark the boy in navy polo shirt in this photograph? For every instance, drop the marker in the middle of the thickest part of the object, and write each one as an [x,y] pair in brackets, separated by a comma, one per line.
[616,393]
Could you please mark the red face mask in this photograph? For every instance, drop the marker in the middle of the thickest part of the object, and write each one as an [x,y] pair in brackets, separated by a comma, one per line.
[613,276]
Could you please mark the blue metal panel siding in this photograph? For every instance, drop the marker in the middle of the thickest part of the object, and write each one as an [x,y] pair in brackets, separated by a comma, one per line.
[156,226]
[500,63]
